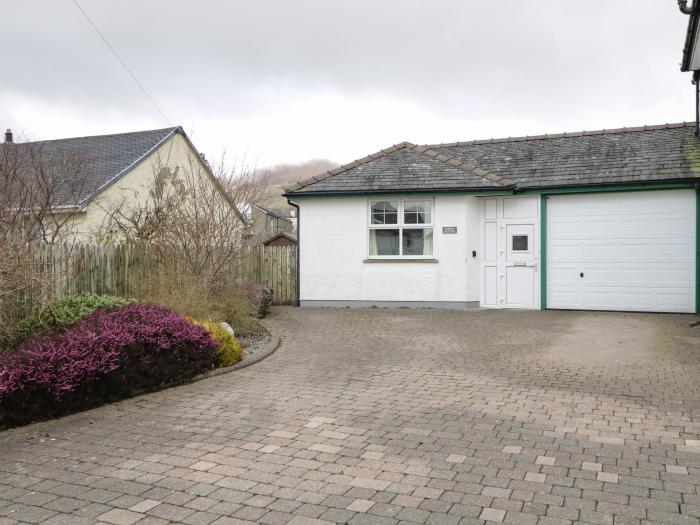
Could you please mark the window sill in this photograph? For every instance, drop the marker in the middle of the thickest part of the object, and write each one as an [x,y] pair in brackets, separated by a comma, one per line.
[400,260]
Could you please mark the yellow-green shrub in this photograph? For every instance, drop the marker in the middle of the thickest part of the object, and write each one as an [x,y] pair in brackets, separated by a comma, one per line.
[229,351]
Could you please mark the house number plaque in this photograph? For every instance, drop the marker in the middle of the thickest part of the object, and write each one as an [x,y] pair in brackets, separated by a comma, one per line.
[447,230]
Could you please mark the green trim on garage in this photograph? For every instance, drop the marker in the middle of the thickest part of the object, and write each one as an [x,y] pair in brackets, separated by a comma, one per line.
[543,252]
[502,193]
[604,189]
[611,188]
[408,193]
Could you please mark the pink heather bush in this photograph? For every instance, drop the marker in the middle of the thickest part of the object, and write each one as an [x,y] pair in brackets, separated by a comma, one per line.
[260,295]
[105,356]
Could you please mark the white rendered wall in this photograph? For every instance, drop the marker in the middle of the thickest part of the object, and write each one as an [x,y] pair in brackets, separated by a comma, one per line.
[334,246]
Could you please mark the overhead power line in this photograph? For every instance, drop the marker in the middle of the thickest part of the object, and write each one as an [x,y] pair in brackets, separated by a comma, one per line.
[116,55]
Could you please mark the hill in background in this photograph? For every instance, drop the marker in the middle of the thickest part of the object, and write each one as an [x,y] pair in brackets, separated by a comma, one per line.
[285,174]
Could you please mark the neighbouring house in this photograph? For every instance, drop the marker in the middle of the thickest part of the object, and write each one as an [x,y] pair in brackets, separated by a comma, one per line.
[598,220]
[100,173]
[267,222]
[280,239]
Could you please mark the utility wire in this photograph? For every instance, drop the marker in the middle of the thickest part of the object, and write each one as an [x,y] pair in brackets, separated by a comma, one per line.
[116,55]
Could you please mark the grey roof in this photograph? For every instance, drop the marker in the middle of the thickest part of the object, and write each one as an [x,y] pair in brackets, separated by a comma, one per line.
[91,164]
[647,154]
[403,167]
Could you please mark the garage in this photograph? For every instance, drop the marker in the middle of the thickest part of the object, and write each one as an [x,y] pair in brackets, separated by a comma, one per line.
[627,251]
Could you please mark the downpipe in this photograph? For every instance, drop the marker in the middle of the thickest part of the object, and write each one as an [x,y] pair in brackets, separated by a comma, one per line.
[296,206]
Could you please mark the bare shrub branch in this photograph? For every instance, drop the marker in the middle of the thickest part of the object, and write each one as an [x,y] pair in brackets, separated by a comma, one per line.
[194,222]
[39,191]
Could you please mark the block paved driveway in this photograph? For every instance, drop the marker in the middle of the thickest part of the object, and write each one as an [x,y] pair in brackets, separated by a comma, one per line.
[387,416]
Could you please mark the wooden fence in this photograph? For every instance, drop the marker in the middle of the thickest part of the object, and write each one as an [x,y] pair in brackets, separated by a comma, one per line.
[121,269]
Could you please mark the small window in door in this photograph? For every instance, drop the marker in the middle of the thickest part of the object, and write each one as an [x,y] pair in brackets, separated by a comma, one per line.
[520,243]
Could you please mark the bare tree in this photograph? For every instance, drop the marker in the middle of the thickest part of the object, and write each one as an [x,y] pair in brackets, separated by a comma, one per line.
[40,190]
[194,216]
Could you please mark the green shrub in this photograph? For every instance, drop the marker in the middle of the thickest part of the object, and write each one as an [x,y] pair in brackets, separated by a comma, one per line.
[65,312]
[260,295]
[229,351]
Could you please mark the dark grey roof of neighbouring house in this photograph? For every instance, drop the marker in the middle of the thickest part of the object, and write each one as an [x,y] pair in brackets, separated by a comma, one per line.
[96,161]
[646,154]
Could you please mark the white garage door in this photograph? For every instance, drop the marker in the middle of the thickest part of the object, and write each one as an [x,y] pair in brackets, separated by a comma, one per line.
[630,251]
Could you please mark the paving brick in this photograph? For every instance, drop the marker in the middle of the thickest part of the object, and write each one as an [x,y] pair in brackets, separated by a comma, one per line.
[489,514]
[360,505]
[145,505]
[120,517]
[608,477]
[366,483]
[537,477]
[511,449]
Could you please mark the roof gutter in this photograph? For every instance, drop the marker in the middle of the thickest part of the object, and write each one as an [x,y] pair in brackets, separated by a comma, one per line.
[685,182]
[694,13]
[686,10]
[680,183]
[500,190]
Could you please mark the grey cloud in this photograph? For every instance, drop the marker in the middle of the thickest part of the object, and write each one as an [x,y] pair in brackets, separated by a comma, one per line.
[538,59]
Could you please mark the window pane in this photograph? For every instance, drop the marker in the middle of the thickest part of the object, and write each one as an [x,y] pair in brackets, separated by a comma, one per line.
[417,212]
[520,243]
[384,212]
[384,242]
[418,241]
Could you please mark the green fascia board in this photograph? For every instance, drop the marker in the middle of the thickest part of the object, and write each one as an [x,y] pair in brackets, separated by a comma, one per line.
[543,252]
[514,191]
[611,188]
[495,193]
[697,251]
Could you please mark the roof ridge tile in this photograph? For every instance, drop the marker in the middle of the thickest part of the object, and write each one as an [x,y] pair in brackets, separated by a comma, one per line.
[460,164]
[584,133]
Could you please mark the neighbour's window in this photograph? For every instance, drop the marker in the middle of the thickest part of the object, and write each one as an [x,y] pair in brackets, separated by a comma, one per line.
[400,228]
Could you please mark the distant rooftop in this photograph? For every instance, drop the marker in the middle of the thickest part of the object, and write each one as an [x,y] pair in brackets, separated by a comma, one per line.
[102,158]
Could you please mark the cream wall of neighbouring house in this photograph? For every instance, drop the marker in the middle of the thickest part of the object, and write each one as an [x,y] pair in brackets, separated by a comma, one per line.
[135,185]
[334,246]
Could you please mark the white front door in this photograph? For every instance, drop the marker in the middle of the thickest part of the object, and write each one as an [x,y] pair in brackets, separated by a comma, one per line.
[510,250]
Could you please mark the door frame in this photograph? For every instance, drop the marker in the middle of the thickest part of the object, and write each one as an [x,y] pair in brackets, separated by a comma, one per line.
[501,224]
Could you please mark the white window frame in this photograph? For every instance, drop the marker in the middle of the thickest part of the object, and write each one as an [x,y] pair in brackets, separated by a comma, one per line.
[400,225]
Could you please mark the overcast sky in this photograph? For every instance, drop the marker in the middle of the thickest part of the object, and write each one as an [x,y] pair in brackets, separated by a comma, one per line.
[291,80]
